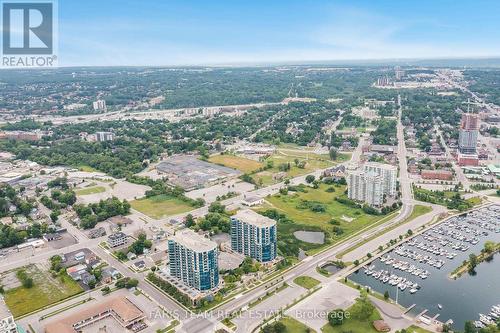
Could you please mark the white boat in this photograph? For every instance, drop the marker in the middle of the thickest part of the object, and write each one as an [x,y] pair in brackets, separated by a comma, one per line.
[440,306]
[486,319]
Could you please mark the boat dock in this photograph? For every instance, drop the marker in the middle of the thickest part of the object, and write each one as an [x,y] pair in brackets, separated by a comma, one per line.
[409,308]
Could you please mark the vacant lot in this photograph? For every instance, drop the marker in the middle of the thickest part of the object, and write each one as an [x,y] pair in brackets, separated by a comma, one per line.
[45,291]
[292,204]
[295,160]
[239,163]
[90,190]
[354,325]
[160,206]
[317,210]
[306,281]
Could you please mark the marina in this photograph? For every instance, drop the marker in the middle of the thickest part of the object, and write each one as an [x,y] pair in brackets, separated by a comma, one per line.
[490,319]
[416,273]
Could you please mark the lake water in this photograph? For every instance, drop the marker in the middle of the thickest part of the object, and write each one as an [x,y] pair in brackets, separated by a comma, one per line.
[462,299]
[314,237]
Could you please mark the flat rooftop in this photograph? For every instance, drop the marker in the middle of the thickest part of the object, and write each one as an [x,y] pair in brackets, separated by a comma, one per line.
[193,241]
[381,165]
[189,172]
[122,306]
[253,218]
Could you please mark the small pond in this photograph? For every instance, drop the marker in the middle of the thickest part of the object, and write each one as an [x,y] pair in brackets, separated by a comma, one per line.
[313,237]
[331,268]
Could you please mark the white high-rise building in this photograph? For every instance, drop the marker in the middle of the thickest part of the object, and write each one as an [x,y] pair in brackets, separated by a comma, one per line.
[194,260]
[366,186]
[254,235]
[389,174]
[104,136]
[100,104]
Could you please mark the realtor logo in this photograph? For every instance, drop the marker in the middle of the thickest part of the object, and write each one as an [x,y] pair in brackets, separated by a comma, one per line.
[28,33]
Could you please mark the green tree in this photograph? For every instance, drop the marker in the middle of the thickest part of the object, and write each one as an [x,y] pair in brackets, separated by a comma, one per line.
[189,222]
[333,154]
[336,317]
[473,261]
[363,308]
[310,178]
[469,327]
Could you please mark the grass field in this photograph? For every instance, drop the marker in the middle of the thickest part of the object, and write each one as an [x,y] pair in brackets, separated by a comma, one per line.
[418,210]
[474,201]
[294,206]
[313,162]
[90,190]
[239,163]
[86,168]
[45,291]
[306,281]
[294,326]
[416,329]
[160,206]
[354,325]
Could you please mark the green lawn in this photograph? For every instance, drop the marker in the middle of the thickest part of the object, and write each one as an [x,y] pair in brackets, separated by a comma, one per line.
[306,281]
[239,163]
[418,210]
[350,220]
[45,291]
[416,329]
[294,326]
[474,201]
[354,325]
[90,190]
[160,206]
[87,168]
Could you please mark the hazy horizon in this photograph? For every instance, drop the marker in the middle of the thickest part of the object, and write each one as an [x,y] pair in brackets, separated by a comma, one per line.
[181,33]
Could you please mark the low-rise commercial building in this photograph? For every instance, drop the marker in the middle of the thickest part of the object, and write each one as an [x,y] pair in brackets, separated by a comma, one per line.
[120,308]
[468,159]
[437,174]
[252,201]
[117,239]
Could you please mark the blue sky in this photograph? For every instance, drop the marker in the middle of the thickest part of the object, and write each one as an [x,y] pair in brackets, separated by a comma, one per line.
[153,32]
